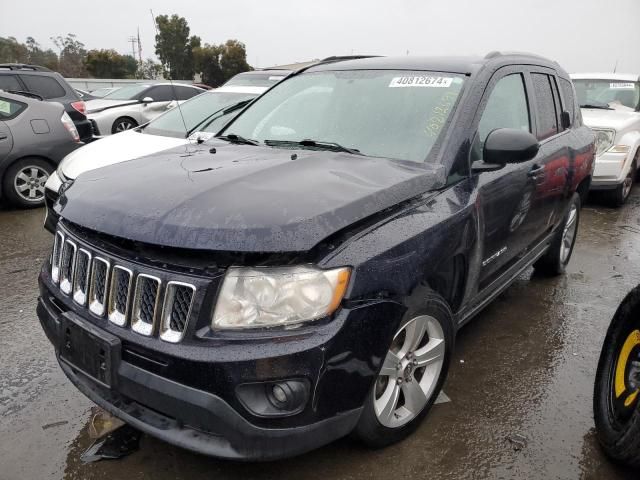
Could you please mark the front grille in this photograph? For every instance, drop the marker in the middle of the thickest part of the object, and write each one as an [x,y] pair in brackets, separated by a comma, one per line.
[81,276]
[67,264]
[176,310]
[126,296]
[145,304]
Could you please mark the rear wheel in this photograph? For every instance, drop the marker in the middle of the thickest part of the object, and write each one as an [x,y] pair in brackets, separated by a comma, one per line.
[412,372]
[23,183]
[556,259]
[123,124]
[616,402]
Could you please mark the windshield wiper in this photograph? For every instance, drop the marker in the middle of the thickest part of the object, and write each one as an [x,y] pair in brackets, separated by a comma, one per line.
[222,112]
[602,106]
[233,138]
[335,147]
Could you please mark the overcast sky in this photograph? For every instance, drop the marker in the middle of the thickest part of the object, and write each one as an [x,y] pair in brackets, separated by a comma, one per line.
[583,35]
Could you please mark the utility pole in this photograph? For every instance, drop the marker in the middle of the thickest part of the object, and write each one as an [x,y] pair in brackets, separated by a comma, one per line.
[139,48]
[133,41]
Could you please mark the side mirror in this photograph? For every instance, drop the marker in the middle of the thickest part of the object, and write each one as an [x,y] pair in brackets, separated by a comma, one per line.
[146,100]
[565,119]
[508,145]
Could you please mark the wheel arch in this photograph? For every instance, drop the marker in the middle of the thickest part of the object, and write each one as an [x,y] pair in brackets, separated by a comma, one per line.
[448,279]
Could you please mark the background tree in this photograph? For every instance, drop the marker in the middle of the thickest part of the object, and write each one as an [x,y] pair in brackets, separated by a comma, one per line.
[149,70]
[12,51]
[71,57]
[233,59]
[174,47]
[206,62]
[110,64]
[37,56]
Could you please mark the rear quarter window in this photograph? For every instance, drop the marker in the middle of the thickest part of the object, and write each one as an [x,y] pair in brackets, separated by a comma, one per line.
[10,108]
[46,87]
[568,98]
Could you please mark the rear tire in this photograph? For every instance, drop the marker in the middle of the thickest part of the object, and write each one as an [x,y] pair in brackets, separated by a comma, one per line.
[555,260]
[394,409]
[123,124]
[23,182]
[616,405]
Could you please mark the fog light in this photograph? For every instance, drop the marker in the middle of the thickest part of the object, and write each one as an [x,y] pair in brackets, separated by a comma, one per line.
[283,398]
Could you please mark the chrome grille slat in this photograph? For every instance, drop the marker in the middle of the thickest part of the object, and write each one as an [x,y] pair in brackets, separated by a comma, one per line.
[81,276]
[55,257]
[145,304]
[67,266]
[100,269]
[176,310]
[119,295]
[123,296]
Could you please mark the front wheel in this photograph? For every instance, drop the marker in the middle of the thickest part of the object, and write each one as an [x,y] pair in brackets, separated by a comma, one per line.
[123,124]
[621,193]
[23,183]
[616,404]
[556,259]
[412,373]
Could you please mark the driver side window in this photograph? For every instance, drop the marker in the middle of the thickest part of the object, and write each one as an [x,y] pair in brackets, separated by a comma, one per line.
[507,107]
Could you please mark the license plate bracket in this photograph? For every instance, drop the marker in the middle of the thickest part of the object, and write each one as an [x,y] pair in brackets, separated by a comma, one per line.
[86,348]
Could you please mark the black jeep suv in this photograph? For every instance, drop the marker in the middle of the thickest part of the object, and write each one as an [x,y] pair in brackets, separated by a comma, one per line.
[304,274]
[51,86]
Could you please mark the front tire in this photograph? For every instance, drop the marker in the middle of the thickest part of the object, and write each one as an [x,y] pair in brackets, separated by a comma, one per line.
[123,124]
[555,260]
[616,404]
[412,373]
[23,183]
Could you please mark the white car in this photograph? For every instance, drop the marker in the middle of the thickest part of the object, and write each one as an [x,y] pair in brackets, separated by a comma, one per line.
[196,120]
[133,105]
[610,105]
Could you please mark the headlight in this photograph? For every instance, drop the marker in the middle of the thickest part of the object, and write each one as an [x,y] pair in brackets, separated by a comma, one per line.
[267,297]
[604,140]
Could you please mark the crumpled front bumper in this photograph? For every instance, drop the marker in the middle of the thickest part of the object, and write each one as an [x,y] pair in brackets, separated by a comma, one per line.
[610,170]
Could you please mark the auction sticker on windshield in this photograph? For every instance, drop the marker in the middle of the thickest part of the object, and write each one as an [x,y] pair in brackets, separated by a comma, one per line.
[621,85]
[420,81]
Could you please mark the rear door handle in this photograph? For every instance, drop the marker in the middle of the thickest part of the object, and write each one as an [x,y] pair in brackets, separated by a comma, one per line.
[3,137]
[535,171]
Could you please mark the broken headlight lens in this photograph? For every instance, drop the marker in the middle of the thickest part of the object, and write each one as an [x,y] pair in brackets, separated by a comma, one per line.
[604,140]
[267,297]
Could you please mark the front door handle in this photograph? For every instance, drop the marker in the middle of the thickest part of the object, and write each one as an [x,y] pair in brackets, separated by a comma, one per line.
[3,136]
[535,171]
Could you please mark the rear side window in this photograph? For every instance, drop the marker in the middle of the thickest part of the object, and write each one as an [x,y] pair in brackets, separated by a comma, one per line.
[569,101]
[46,87]
[546,109]
[161,93]
[10,108]
[185,93]
[506,108]
[9,82]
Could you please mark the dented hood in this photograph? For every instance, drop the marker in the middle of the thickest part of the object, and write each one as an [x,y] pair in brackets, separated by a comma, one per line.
[241,198]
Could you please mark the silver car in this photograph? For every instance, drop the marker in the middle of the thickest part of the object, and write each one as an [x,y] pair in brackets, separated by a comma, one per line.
[134,105]
[34,137]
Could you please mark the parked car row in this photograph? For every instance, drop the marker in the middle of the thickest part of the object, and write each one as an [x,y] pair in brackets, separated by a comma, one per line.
[299,271]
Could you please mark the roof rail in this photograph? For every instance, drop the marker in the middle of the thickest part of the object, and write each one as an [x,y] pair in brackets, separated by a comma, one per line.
[342,58]
[496,53]
[23,66]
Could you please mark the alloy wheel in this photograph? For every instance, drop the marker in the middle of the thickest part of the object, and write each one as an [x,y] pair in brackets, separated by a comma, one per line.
[568,234]
[410,371]
[29,183]
[124,125]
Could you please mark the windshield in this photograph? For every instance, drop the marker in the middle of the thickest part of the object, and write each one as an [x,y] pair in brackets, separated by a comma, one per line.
[393,114]
[612,93]
[195,112]
[126,93]
[256,79]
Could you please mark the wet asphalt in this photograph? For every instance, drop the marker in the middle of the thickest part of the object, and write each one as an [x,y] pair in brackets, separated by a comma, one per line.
[522,370]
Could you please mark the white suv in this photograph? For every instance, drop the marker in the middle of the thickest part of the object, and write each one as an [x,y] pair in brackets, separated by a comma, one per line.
[610,104]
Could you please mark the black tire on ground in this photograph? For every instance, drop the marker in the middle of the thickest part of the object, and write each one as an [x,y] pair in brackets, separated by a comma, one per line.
[618,424]
[24,178]
[552,262]
[122,124]
[422,301]
[619,195]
